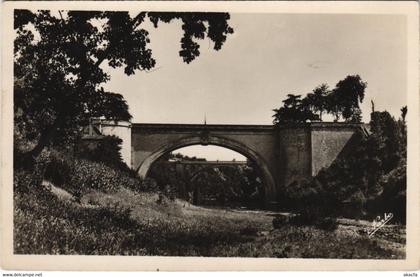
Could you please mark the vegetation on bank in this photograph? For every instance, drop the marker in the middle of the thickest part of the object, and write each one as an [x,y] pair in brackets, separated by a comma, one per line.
[128,223]
[367,182]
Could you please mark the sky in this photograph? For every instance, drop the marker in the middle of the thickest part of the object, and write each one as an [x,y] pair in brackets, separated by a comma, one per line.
[267,57]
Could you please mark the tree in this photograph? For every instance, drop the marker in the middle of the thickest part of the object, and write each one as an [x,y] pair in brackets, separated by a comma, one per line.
[333,105]
[402,125]
[387,139]
[403,113]
[347,95]
[293,111]
[316,101]
[342,101]
[57,58]
[319,99]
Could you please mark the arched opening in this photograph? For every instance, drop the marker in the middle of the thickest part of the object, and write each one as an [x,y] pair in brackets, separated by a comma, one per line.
[251,162]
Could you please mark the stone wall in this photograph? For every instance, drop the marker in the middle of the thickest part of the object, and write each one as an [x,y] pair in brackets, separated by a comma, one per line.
[330,141]
[294,155]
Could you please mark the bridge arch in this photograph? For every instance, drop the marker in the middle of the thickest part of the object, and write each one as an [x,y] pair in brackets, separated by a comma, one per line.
[269,181]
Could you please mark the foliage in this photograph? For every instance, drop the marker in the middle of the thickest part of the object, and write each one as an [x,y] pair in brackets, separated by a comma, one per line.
[313,204]
[389,139]
[124,224]
[403,113]
[80,176]
[346,96]
[342,101]
[106,150]
[57,58]
[110,229]
[360,183]
[393,198]
[238,185]
[316,101]
[45,225]
[294,110]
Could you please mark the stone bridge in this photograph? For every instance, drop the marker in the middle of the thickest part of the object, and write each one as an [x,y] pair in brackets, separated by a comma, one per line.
[282,154]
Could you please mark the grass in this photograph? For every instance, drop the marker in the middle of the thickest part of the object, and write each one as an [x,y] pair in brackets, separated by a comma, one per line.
[125,222]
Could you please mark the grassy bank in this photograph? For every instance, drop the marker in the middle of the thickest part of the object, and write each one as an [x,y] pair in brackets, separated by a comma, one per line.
[50,221]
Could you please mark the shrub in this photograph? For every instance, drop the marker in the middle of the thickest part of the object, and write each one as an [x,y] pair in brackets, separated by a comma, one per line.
[150,185]
[106,150]
[249,230]
[393,196]
[21,181]
[311,202]
[58,170]
[354,206]
[45,225]
[87,175]
[79,176]
[327,223]
[279,221]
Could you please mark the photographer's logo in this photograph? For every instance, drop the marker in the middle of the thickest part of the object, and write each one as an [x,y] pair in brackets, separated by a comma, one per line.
[379,222]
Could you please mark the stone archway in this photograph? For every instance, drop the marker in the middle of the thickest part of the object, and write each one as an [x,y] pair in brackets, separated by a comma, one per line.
[270,187]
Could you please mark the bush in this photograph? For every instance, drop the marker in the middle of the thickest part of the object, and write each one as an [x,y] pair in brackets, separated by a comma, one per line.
[249,230]
[106,150]
[279,221]
[79,176]
[21,181]
[354,206]
[58,170]
[328,224]
[393,197]
[150,185]
[45,225]
[311,203]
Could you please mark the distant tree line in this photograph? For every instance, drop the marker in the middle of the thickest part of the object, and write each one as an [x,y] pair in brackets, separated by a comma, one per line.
[239,185]
[342,102]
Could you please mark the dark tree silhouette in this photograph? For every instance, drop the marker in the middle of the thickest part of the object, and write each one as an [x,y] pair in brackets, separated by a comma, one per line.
[57,58]
[342,101]
[403,113]
[348,93]
[318,99]
[333,105]
[293,111]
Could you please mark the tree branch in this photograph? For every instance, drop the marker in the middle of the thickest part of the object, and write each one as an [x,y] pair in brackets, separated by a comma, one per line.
[134,24]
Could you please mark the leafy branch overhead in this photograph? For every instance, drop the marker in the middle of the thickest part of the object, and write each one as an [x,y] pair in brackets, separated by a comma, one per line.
[58,57]
[120,38]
